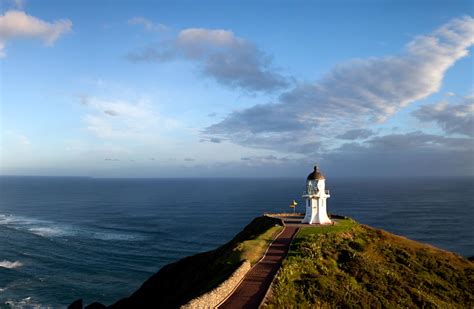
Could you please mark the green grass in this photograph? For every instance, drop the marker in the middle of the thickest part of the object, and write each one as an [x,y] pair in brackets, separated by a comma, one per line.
[252,250]
[340,226]
[355,266]
[304,233]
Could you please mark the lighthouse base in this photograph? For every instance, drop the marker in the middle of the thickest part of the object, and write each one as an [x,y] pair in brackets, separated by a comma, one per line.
[316,212]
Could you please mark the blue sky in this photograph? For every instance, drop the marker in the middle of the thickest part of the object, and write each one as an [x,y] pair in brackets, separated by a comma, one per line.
[208,88]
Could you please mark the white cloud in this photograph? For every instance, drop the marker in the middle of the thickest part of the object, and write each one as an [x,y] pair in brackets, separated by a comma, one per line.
[16,138]
[261,160]
[228,59]
[356,134]
[147,24]
[23,140]
[409,154]
[17,24]
[196,41]
[211,140]
[452,118]
[351,96]
[120,119]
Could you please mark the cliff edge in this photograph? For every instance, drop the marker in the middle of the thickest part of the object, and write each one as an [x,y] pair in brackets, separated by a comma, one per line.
[344,265]
[177,283]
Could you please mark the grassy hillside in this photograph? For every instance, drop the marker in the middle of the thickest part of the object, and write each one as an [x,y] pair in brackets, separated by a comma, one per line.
[177,283]
[351,265]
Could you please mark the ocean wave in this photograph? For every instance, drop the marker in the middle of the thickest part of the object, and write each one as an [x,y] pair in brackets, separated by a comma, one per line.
[10,265]
[35,226]
[24,303]
[50,229]
[115,236]
[47,231]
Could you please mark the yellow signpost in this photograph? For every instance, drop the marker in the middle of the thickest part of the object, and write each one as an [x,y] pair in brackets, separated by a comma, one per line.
[293,205]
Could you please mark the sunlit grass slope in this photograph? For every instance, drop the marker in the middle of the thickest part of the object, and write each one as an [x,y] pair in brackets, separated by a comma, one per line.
[352,266]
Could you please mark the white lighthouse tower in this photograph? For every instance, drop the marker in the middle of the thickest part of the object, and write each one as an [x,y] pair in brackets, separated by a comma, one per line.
[316,196]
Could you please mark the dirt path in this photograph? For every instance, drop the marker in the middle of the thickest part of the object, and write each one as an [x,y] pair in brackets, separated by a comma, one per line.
[252,289]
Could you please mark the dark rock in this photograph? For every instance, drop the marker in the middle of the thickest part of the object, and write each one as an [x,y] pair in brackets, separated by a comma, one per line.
[95,305]
[77,304]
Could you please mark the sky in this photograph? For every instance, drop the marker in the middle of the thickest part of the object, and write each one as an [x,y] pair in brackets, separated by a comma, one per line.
[236,88]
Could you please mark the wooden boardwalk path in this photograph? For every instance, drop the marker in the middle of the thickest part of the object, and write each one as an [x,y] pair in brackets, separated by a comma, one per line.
[252,290]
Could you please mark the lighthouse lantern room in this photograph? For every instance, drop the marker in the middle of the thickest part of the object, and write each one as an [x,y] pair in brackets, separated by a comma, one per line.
[316,196]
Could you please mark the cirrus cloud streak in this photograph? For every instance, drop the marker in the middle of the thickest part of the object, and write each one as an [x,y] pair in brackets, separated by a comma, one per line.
[352,95]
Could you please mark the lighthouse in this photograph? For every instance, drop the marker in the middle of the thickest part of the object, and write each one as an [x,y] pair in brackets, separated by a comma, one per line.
[316,196]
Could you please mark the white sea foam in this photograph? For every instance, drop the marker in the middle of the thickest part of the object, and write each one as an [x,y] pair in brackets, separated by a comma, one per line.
[47,231]
[35,226]
[50,229]
[10,265]
[17,221]
[115,236]
[26,303]
[5,219]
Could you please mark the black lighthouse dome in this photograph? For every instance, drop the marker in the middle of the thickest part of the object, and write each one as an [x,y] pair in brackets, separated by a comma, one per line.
[316,174]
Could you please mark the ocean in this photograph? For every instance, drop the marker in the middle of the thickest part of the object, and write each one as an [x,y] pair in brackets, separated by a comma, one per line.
[98,239]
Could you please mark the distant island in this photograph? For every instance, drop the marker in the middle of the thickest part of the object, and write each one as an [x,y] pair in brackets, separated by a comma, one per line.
[342,265]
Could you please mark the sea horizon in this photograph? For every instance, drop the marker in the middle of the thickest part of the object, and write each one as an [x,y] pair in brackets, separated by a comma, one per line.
[363,177]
